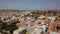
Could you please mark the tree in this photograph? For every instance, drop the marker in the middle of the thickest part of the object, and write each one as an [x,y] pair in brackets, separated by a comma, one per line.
[0,20]
[9,27]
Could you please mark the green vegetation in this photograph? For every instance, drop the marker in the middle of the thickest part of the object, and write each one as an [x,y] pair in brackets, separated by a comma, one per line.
[27,32]
[6,33]
[8,26]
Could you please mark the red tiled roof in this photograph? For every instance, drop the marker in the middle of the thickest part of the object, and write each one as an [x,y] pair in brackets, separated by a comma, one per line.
[52,26]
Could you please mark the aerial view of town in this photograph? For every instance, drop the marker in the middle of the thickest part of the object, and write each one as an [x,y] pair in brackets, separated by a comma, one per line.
[29,22]
[29,16]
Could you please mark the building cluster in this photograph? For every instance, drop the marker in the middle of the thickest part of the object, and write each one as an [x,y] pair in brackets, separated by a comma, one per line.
[33,22]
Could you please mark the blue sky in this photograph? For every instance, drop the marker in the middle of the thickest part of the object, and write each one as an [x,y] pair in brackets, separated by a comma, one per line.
[30,4]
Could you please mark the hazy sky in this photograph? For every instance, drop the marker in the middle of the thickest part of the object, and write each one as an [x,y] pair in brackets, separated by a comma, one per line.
[30,4]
